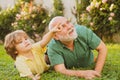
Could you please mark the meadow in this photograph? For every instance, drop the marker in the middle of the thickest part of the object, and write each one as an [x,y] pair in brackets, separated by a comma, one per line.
[111,70]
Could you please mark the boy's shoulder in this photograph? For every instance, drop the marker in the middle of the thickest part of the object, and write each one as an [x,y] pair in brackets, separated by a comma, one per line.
[20,58]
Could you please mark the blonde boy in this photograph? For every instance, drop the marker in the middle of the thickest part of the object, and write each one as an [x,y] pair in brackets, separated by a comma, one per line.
[29,58]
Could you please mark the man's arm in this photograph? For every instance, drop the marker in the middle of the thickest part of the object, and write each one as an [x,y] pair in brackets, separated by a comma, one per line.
[102,53]
[87,74]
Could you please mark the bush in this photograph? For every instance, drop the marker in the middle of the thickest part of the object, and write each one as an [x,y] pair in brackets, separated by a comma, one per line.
[31,18]
[25,15]
[6,18]
[58,8]
[102,16]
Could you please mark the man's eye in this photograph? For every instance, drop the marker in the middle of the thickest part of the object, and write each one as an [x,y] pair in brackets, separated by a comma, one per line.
[68,22]
[63,26]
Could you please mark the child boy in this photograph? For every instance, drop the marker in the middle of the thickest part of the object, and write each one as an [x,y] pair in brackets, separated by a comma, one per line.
[29,58]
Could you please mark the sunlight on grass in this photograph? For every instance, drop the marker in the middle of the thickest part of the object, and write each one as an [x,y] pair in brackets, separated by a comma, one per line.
[113,46]
[110,71]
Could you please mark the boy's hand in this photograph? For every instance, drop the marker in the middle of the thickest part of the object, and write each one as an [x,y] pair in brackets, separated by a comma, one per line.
[56,28]
[36,77]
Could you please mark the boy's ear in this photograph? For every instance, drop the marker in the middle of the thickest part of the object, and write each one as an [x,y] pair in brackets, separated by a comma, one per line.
[16,52]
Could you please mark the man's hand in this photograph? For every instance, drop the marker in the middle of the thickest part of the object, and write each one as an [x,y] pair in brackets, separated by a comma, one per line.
[89,74]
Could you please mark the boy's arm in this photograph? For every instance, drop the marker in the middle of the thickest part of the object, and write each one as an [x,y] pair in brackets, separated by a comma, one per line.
[47,37]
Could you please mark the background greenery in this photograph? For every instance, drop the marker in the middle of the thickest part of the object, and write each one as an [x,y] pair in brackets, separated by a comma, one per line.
[111,70]
[28,16]
[95,14]
[102,16]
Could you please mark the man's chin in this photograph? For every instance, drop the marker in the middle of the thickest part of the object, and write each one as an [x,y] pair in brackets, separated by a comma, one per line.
[67,40]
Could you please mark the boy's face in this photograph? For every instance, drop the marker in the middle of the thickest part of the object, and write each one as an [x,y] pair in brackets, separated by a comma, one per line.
[24,45]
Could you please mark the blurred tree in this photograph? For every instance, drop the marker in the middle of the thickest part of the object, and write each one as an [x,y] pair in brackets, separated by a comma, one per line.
[58,8]
[102,16]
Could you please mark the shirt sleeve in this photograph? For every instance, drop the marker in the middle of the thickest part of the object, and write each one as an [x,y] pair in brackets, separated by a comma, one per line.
[54,57]
[22,68]
[38,48]
[92,39]
[89,36]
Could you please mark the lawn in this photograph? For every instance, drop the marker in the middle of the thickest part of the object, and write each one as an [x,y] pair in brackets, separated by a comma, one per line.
[111,69]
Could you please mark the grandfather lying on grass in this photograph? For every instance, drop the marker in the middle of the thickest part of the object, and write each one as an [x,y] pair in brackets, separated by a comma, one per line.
[71,47]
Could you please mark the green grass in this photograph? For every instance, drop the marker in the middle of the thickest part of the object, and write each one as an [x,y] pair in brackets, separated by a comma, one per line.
[111,69]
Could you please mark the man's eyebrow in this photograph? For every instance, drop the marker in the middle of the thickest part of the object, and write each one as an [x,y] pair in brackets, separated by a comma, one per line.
[62,23]
[68,21]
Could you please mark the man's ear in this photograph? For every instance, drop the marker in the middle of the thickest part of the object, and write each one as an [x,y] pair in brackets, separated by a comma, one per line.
[56,37]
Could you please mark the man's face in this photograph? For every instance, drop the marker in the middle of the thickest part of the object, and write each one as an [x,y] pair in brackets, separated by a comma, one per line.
[68,32]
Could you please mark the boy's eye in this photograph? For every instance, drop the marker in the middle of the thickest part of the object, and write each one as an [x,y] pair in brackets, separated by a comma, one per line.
[20,42]
[26,38]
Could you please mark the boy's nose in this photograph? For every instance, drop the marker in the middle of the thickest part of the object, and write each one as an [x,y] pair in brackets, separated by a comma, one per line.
[25,41]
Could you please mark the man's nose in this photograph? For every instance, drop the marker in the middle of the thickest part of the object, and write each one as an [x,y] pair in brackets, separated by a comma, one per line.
[68,26]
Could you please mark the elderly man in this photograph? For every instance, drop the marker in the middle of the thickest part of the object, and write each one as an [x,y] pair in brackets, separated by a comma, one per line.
[71,47]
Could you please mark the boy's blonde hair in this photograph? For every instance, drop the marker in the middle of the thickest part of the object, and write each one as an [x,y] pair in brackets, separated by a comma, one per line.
[11,40]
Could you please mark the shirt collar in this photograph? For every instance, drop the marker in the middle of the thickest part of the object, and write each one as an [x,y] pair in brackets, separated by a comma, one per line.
[74,42]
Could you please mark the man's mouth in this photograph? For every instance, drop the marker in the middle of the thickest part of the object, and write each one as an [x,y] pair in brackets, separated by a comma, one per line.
[71,31]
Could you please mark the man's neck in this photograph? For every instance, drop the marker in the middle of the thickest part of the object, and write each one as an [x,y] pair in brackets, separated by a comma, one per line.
[69,45]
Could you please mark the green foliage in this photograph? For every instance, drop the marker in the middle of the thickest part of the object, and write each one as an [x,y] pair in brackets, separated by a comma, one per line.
[25,15]
[0,8]
[81,5]
[58,8]
[25,0]
[111,70]
[102,16]
[6,18]
[31,18]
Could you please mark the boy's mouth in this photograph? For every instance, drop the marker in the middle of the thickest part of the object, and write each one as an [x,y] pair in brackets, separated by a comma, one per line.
[27,44]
